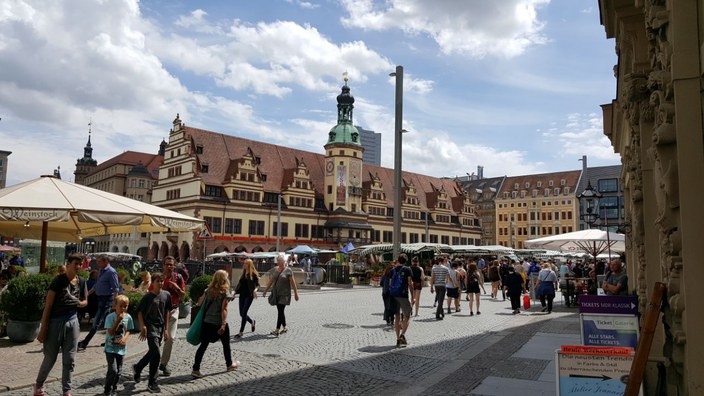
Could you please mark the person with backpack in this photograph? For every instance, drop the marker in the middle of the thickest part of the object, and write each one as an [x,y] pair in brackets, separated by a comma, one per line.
[176,286]
[60,329]
[399,289]
[473,282]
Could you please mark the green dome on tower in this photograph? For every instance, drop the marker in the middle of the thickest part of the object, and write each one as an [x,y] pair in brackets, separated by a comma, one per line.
[344,132]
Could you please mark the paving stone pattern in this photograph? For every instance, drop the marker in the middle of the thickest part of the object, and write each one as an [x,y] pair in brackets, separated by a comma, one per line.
[337,344]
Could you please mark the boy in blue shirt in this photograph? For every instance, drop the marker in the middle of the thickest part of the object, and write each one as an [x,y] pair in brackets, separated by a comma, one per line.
[118,324]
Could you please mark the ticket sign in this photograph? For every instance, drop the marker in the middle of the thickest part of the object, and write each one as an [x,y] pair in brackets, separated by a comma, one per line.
[588,371]
[622,305]
[609,330]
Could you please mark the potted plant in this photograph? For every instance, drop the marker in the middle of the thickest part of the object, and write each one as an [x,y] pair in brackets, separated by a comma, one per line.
[196,290]
[23,302]
[184,306]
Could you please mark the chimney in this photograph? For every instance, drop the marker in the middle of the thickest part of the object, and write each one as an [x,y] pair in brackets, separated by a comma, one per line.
[480,172]
[584,164]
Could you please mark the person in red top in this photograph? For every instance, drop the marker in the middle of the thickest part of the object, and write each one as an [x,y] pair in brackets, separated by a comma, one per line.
[176,286]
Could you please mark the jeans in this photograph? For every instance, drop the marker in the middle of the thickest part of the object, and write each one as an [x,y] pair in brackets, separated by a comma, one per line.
[169,344]
[440,291]
[104,307]
[112,378]
[61,334]
[245,303]
[151,358]
[549,297]
[281,318]
[209,332]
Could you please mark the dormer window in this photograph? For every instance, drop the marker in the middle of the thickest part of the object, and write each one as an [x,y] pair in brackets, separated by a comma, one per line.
[562,182]
[199,149]
[539,184]
[515,186]
[527,185]
[547,192]
[204,168]
[550,184]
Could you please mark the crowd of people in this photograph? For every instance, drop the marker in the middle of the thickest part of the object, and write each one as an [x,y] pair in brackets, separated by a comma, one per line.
[402,285]
[157,320]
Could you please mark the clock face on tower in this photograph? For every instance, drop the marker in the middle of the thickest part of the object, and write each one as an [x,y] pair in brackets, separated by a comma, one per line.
[355,173]
[329,167]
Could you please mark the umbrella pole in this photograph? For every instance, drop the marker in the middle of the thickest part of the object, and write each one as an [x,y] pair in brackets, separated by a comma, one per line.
[42,255]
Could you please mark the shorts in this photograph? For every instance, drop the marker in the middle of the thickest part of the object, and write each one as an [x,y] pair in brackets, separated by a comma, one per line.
[452,292]
[401,305]
[417,285]
[473,288]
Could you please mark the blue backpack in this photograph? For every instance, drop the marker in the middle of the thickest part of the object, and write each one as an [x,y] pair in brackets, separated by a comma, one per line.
[396,282]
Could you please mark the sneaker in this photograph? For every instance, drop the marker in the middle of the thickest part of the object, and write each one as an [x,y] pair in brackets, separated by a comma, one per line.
[471,313]
[404,343]
[137,373]
[81,346]
[154,388]
[196,374]
[40,391]
[164,370]
[398,342]
[479,313]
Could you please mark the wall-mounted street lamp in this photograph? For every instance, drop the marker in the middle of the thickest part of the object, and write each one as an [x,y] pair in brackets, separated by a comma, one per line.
[589,202]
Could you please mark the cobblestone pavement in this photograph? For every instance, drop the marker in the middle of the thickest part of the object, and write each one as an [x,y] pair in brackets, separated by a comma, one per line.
[338,344]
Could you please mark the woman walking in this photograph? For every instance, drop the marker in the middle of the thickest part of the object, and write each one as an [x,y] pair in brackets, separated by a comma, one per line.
[214,302]
[60,329]
[417,278]
[495,278]
[514,286]
[473,283]
[281,282]
[247,289]
[386,296]
[546,287]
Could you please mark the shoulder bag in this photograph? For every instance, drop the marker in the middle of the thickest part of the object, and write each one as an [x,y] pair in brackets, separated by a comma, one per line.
[193,336]
[273,297]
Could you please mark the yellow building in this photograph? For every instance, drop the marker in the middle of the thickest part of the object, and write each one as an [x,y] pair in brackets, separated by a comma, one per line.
[326,201]
[531,206]
[655,123]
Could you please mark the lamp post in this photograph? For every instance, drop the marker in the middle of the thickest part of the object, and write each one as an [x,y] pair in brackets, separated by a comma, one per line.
[398,134]
[589,199]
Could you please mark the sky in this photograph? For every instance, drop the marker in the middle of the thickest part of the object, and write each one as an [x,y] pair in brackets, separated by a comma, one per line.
[512,85]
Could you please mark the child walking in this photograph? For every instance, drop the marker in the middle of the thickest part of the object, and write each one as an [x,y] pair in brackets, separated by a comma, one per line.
[153,311]
[117,324]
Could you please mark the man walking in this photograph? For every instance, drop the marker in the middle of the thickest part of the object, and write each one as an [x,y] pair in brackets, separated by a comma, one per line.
[400,288]
[106,288]
[176,286]
[438,278]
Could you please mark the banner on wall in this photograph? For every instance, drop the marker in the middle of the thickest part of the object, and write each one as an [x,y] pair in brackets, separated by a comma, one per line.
[341,196]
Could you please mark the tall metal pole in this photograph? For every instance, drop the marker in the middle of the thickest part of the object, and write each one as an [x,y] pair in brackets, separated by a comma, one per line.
[398,133]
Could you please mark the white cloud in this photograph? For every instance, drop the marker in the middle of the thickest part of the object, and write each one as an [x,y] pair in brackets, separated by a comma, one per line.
[479,28]
[582,134]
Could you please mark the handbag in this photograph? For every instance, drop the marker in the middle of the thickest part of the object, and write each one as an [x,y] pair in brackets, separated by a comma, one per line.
[273,297]
[193,336]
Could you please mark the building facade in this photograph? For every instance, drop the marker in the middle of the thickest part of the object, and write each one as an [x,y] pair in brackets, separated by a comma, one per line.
[371,142]
[606,181]
[3,167]
[482,192]
[532,206]
[655,124]
[130,174]
[257,196]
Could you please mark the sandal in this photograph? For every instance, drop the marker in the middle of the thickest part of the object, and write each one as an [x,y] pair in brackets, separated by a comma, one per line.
[233,367]
[284,330]
[238,335]
[274,333]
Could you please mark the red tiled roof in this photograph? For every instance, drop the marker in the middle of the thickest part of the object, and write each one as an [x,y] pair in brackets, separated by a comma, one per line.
[220,150]
[151,161]
[571,179]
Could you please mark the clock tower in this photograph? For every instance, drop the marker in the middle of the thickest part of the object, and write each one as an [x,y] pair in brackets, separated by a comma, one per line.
[343,159]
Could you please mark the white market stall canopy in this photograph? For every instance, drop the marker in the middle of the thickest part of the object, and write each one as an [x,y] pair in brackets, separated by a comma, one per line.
[593,242]
[410,248]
